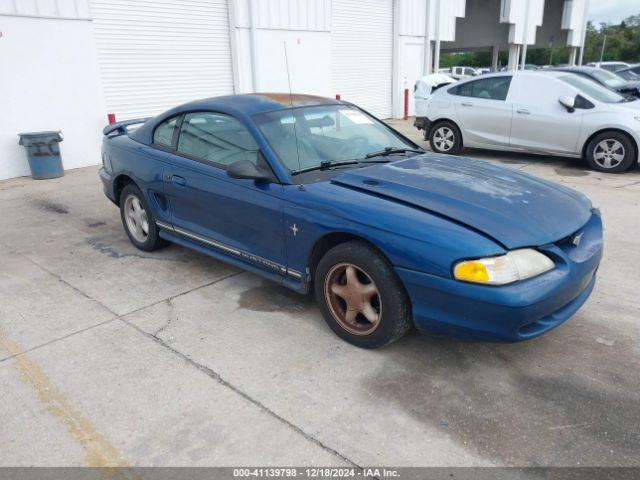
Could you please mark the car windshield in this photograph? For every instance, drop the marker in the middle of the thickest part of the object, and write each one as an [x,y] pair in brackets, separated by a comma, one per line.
[308,137]
[611,80]
[592,89]
[628,75]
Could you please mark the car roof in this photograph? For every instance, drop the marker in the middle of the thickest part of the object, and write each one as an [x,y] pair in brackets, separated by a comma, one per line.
[252,103]
[547,73]
[242,105]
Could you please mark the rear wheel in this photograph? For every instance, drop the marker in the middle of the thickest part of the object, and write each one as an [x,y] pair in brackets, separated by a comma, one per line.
[445,137]
[361,297]
[611,152]
[138,220]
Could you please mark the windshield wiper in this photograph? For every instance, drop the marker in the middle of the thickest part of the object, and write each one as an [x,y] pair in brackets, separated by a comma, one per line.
[325,166]
[391,151]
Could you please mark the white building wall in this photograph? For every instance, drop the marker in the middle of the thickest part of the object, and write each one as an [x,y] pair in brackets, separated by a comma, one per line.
[300,26]
[49,81]
[439,21]
[67,9]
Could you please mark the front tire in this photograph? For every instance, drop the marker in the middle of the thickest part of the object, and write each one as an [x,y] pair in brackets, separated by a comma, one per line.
[361,297]
[611,152]
[138,220]
[445,137]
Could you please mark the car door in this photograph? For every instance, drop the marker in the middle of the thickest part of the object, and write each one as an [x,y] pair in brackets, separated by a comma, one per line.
[483,112]
[237,216]
[540,122]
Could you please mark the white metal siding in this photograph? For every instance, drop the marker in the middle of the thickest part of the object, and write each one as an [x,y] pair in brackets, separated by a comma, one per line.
[70,9]
[155,55]
[301,15]
[361,53]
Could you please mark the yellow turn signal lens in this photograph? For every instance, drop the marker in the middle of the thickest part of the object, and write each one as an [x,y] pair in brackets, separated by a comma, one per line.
[471,272]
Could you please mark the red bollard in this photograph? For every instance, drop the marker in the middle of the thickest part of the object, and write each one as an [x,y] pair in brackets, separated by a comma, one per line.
[112,118]
[406,104]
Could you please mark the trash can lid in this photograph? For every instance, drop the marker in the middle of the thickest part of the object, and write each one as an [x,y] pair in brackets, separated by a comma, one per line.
[53,135]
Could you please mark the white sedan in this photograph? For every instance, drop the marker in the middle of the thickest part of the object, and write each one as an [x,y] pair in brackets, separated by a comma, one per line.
[553,113]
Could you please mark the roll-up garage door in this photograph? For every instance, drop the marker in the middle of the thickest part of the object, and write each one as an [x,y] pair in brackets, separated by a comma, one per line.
[361,53]
[155,55]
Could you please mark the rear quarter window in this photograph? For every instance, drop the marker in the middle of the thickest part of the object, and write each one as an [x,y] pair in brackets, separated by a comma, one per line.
[165,132]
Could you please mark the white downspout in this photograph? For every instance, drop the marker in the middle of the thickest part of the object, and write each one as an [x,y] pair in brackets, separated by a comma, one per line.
[427,65]
[253,45]
[436,53]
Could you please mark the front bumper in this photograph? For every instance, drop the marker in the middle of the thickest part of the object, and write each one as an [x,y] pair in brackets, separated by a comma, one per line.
[515,312]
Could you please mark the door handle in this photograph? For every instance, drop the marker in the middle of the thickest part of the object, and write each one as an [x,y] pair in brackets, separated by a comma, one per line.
[466,104]
[178,180]
[523,111]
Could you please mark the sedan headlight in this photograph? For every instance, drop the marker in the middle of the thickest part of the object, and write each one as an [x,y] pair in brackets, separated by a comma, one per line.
[512,267]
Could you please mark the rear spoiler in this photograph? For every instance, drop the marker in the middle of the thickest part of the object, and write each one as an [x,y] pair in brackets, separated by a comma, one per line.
[120,128]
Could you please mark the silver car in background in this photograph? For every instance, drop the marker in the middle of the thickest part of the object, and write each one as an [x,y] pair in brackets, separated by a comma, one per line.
[553,113]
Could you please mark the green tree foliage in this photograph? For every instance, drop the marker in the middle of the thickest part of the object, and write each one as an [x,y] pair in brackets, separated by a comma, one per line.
[623,43]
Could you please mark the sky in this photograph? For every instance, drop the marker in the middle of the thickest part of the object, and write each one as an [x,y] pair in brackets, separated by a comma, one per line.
[612,11]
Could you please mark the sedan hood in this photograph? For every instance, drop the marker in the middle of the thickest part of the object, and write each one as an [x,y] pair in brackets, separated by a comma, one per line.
[513,208]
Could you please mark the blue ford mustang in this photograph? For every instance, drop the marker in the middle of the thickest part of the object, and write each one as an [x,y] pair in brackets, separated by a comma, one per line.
[317,194]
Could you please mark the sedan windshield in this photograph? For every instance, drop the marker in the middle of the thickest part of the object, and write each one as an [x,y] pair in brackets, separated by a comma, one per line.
[607,78]
[327,135]
[628,75]
[592,89]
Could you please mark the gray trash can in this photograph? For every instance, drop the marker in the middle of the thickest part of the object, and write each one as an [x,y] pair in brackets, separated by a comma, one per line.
[43,152]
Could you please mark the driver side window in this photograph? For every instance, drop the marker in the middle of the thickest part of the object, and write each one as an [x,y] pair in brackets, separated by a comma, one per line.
[216,138]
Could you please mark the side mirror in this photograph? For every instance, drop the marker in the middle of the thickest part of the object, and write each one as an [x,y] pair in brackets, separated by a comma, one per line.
[246,169]
[568,102]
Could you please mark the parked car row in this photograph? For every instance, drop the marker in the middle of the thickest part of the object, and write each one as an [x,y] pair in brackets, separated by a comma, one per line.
[577,112]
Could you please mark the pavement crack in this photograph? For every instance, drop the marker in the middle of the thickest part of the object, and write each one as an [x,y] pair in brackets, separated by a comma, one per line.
[171,316]
[64,337]
[225,383]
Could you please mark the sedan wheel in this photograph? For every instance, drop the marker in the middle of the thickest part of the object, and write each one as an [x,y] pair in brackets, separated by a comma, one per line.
[136,218]
[444,139]
[611,152]
[353,299]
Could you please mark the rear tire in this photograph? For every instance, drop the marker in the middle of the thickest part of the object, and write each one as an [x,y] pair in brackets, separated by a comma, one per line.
[445,137]
[138,220]
[611,152]
[360,296]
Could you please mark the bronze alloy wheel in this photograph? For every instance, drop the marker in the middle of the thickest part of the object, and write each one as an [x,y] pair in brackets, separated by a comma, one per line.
[353,299]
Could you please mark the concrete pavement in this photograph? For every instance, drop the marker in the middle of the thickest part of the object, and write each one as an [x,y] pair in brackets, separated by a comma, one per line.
[113,356]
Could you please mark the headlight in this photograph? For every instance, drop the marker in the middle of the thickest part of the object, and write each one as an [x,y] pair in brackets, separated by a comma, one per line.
[512,267]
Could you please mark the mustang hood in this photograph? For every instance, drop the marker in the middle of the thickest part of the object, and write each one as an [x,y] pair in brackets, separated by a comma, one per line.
[513,208]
